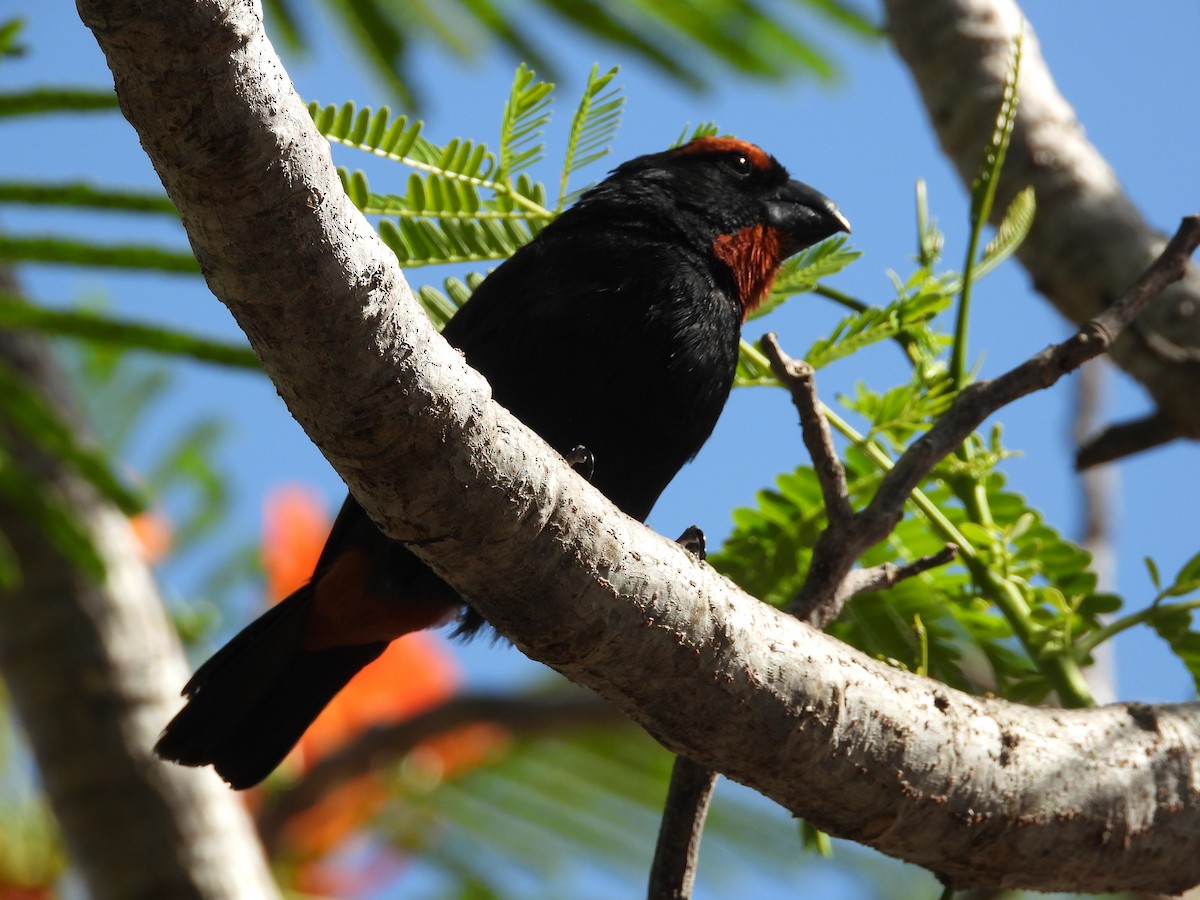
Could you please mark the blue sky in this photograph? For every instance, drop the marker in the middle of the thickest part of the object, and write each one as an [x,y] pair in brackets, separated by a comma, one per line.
[863,141]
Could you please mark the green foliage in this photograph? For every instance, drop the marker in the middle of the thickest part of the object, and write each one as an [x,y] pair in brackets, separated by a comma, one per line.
[592,794]
[10,31]
[91,325]
[441,306]
[1013,229]
[1020,612]
[525,117]
[696,45]
[704,129]
[82,195]
[983,195]
[88,253]
[805,270]
[1174,626]
[593,127]
[28,414]
[1019,608]
[465,202]
[55,100]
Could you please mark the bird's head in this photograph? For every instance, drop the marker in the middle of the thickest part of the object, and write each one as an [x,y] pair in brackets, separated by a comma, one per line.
[735,200]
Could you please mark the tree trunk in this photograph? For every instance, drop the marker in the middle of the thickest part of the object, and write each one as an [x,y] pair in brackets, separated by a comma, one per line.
[94,671]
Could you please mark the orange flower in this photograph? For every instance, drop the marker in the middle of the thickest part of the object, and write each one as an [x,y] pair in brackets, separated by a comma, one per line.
[295,526]
[152,531]
[415,673]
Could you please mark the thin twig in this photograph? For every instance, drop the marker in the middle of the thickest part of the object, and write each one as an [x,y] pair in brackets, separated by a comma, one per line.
[798,377]
[836,551]
[677,852]
[673,874]
[875,578]
[1125,439]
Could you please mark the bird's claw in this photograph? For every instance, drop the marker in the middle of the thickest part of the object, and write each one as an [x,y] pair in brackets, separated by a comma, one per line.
[693,541]
[581,460]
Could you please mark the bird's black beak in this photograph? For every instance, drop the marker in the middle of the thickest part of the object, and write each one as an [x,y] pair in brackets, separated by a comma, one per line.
[804,215]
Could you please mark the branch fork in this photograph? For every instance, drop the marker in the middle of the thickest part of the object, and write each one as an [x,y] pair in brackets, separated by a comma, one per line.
[832,580]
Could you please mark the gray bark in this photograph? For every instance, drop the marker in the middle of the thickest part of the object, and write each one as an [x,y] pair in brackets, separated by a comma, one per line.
[978,790]
[94,671]
[1089,241]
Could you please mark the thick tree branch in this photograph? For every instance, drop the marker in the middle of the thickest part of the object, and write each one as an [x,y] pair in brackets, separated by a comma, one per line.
[979,790]
[1088,241]
[93,669]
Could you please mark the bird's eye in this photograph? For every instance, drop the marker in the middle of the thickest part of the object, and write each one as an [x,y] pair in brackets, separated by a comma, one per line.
[740,164]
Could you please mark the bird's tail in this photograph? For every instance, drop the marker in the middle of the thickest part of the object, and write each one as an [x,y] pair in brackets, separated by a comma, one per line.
[249,704]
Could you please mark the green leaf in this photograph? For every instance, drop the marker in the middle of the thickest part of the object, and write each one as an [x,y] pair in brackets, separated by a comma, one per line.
[382,39]
[802,272]
[689,134]
[1174,627]
[593,127]
[84,253]
[525,116]
[983,194]
[814,839]
[752,369]
[983,190]
[55,100]
[1152,569]
[186,465]
[88,325]
[1014,228]
[909,313]
[83,195]
[10,31]
[1187,580]
[55,519]
[33,417]
[382,135]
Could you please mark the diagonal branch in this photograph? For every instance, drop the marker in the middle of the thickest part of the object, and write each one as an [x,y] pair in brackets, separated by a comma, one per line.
[798,377]
[1088,240]
[384,743]
[829,583]
[979,400]
[978,790]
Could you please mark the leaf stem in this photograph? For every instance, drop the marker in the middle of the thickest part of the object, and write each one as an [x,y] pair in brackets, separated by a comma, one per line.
[1095,638]
[1060,669]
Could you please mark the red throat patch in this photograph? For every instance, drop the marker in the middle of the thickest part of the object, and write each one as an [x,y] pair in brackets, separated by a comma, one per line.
[753,256]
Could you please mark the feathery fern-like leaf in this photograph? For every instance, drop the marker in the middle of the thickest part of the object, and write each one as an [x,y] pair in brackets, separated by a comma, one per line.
[16,313]
[85,253]
[802,272]
[55,100]
[875,324]
[704,129]
[34,419]
[84,195]
[525,116]
[593,126]
[1014,228]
